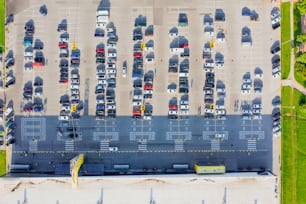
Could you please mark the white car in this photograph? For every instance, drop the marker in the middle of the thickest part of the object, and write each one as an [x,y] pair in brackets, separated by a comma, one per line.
[111,71]
[258,105]
[75,76]
[111,107]
[259,75]
[245,91]
[113,149]
[277,74]
[111,45]
[220,111]
[75,81]
[75,97]
[276,128]
[172,112]
[148,92]
[277,133]
[209,65]
[246,86]
[112,54]
[247,81]
[102,81]
[257,110]
[8,111]
[111,65]
[208,110]
[99,101]
[220,107]
[137,102]
[111,75]
[74,86]
[276,20]
[184,107]
[247,111]
[276,69]
[63,117]
[123,71]
[75,91]
[65,108]
[210,70]
[221,90]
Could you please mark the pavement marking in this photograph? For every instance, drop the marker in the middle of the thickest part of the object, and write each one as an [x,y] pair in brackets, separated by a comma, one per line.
[142,145]
[178,144]
[251,144]
[69,145]
[104,145]
[215,144]
[33,146]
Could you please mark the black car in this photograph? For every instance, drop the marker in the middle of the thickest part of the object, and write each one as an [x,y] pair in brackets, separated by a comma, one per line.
[38,45]
[62,26]
[64,75]
[73,135]
[275,26]
[100,60]
[137,83]
[43,10]
[64,70]
[64,63]
[9,19]
[219,15]
[100,55]
[38,83]
[10,62]
[275,48]
[27,96]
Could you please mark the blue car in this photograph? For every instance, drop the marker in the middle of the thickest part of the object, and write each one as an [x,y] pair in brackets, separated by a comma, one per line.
[100,107]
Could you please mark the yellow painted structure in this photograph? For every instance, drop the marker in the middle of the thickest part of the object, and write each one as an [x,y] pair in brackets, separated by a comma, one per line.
[75,165]
[207,169]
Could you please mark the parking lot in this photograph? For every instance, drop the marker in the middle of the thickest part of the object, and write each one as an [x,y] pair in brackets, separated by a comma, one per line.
[181,106]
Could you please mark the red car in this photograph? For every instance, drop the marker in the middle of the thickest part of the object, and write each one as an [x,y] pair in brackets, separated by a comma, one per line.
[63,45]
[137,54]
[100,50]
[63,81]
[183,45]
[148,87]
[27,109]
[173,107]
[136,112]
[37,64]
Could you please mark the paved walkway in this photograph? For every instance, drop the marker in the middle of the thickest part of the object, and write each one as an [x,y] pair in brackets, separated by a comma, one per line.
[291,80]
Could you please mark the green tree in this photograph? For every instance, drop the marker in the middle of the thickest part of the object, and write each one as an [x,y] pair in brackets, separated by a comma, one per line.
[301,38]
[301,58]
[301,6]
[302,100]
